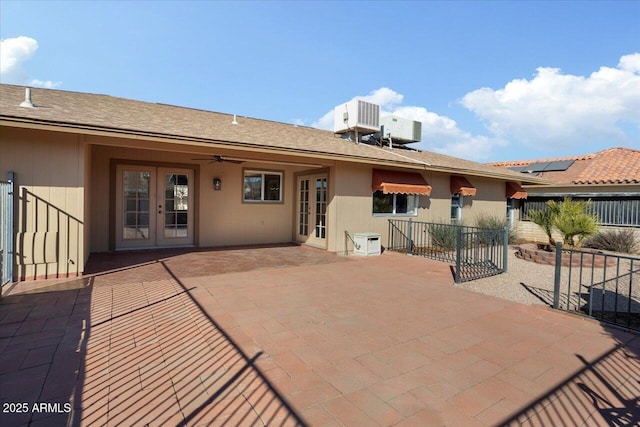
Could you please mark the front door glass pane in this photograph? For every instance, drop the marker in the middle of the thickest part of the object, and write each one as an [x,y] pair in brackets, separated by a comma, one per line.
[321,208]
[303,223]
[176,203]
[135,224]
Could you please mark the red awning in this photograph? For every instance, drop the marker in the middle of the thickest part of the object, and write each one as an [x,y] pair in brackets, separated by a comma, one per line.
[515,191]
[399,182]
[460,184]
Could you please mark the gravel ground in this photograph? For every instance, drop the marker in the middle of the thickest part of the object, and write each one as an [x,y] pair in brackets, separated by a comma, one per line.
[513,285]
[530,283]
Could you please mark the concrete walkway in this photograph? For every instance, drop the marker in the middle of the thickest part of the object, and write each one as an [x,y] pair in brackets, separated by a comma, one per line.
[297,336]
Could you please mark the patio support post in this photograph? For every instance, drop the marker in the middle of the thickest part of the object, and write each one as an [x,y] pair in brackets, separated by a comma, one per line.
[458,252]
[505,249]
[556,279]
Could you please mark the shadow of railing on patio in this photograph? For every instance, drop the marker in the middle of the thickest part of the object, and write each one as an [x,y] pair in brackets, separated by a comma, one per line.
[546,295]
[606,390]
[158,358]
[265,402]
[44,335]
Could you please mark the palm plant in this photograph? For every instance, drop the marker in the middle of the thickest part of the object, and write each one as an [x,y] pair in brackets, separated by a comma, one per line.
[544,219]
[571,220]
[569,217]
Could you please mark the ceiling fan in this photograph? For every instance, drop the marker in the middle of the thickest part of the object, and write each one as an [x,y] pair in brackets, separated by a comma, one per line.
[216,158]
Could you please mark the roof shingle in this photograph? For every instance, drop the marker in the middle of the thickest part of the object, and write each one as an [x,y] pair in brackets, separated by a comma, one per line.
[124,116]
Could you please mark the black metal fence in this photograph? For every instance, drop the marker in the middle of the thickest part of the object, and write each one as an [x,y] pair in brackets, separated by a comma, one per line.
[475,252]
[597,284]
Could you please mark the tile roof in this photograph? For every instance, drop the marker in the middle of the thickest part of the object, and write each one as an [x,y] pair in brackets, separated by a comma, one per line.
[103,113]
[616,165]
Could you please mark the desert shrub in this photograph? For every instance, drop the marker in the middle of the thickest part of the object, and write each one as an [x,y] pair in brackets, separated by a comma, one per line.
[614,240]
[493,221]
[443,236]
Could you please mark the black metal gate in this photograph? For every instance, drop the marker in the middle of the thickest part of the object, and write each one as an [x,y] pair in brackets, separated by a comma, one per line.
[598,284]
[6,230]
[474,252]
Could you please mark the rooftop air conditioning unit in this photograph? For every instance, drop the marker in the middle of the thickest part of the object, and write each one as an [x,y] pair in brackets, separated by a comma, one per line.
[357,115]
[401,131]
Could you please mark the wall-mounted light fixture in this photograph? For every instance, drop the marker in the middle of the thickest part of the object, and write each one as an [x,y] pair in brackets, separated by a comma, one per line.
[217,184]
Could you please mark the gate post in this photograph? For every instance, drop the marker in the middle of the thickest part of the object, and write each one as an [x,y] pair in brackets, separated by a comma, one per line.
[458,253]
[6,270]
[10,249]
[556,278]
[505,249]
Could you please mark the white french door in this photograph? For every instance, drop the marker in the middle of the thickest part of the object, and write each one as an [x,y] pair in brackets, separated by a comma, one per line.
[311,211]
[154,207]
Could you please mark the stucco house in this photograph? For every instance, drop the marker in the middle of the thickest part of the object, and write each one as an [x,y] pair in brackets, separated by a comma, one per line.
[96,173]
[609,178]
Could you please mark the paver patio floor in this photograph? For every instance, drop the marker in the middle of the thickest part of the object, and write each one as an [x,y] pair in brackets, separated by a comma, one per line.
[297,336]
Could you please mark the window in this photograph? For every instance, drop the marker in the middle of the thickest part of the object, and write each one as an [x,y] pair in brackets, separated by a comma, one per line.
[394,204]
[456,207]
[262,186]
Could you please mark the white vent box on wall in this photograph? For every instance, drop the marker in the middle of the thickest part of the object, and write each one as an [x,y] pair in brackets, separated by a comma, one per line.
[366,244]
[401,130]
[359,114]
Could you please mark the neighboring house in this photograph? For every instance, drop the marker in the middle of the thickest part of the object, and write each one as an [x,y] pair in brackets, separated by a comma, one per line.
[95,173]
[609,178]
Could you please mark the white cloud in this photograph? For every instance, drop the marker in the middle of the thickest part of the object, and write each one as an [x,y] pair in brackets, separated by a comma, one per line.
[561,110]
[439,133]
[13,53]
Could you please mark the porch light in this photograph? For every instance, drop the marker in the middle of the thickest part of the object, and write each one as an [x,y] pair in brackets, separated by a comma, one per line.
[217,184]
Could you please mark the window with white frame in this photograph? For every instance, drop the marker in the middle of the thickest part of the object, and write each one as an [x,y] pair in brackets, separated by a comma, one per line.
[262,186]
[394,204]
[456,207]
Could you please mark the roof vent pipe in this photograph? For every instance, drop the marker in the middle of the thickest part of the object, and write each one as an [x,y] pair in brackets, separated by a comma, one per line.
[234,122]
[27,99]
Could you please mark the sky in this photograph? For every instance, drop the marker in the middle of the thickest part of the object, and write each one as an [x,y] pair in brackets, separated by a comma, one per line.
[489,80]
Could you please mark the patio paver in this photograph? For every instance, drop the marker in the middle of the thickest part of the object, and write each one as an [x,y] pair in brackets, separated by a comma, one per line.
[292,336]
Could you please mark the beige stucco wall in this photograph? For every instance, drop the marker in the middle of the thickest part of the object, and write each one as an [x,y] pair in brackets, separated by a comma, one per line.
[222,217]
[50,205]
[352,203]
[87,201]
[65,187]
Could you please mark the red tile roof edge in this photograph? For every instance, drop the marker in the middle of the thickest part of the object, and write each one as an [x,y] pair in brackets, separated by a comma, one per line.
[557,159]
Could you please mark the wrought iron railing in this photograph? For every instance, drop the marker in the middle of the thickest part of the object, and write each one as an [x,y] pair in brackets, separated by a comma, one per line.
[602,285]
[475,252]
